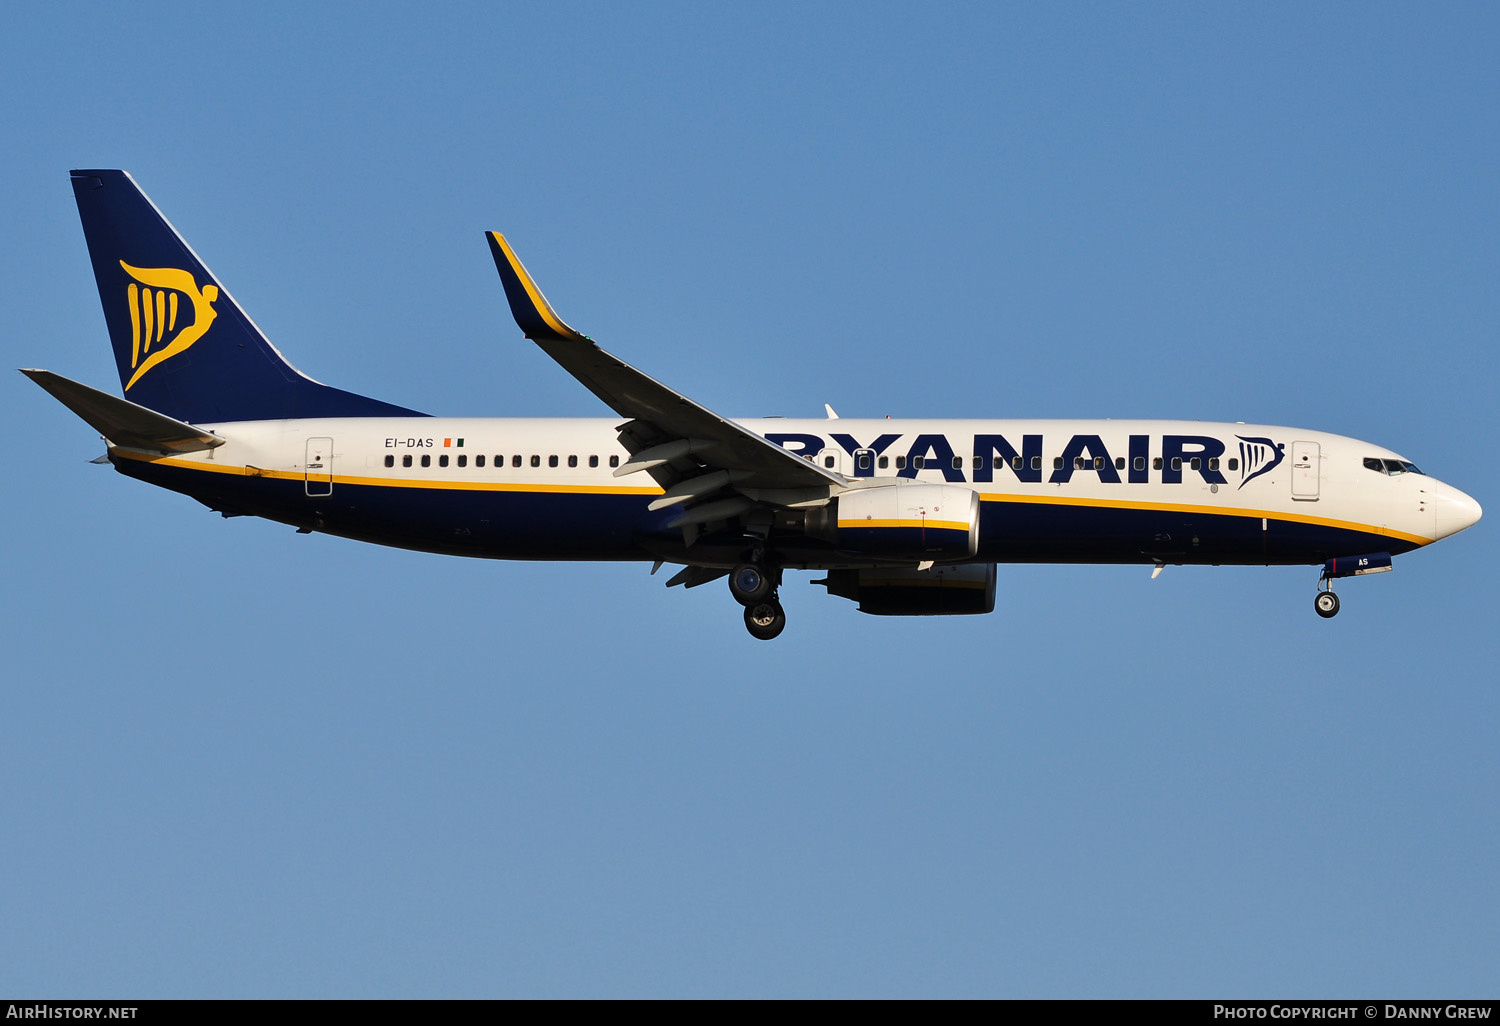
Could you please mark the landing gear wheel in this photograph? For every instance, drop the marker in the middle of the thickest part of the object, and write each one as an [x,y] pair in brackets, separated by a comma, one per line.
[751,584]
[765,619]
[1327,604]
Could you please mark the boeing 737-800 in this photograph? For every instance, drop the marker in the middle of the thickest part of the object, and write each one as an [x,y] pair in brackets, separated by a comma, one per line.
[907,517]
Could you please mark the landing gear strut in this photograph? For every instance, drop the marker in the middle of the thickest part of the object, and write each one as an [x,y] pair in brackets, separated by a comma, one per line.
[753,586]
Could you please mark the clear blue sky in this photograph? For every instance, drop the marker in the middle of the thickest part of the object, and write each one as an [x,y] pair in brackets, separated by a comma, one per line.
[239,761]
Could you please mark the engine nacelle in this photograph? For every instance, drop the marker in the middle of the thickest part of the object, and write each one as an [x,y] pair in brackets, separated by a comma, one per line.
[941,591]
[915,521]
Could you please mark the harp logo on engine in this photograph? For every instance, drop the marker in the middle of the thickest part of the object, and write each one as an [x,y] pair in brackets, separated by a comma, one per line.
[159,329]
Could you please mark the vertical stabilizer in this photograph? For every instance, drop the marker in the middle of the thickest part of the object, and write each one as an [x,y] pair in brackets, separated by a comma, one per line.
[182,345]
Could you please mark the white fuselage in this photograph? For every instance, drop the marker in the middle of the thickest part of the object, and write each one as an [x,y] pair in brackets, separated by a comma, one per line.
[1164,491]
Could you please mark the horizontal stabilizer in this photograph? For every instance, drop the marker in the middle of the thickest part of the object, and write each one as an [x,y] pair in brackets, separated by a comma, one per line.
[123,422]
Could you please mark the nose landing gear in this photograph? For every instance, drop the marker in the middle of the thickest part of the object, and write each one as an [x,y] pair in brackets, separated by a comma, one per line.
[1327,604]
[753,586]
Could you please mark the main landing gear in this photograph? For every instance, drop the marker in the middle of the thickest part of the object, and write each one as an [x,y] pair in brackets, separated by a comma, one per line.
[753,586]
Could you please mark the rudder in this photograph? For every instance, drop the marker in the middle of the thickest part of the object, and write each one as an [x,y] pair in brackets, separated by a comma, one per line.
[182,345]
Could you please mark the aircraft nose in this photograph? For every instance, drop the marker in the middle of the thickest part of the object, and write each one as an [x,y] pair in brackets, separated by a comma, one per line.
[1454,511]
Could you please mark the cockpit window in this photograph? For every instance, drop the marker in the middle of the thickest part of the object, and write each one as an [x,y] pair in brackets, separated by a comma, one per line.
[1391,467]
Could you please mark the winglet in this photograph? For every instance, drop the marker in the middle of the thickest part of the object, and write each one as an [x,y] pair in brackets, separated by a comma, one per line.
[534,315]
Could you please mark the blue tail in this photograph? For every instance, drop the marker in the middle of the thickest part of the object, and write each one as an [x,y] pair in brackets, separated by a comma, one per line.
[183,346]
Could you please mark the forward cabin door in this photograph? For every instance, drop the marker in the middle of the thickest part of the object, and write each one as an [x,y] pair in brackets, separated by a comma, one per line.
[1307,469]
[318,470]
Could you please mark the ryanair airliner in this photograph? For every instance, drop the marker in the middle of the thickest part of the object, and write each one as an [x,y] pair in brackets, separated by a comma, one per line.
[904,517]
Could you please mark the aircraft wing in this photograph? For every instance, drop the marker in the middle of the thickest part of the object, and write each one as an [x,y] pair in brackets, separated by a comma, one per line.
[667,429]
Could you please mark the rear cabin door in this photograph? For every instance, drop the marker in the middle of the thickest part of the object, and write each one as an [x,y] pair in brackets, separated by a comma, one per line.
[318,470]
[1307,468]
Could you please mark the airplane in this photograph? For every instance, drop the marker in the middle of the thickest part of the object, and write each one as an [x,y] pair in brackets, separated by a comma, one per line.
[904,517]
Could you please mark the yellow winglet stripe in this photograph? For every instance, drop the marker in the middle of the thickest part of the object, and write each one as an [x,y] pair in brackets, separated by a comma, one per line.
[539,303]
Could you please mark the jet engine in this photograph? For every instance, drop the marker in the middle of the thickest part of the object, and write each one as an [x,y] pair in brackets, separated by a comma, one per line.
[910,522]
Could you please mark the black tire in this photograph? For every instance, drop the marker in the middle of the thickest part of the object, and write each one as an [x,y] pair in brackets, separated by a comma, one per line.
[1327,604]
[749,584]
[765,620]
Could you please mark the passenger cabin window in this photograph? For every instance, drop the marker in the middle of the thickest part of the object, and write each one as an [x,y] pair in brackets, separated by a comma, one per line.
[390,461]
[1234,463]
[551,461]
[614,461]
[1139,463]
[1119,462]
[593,461]
[1098,462]
[1156,463]
[958,463]
[979,462]
[443,460]
[1196,463]
[900,462]
[828,461]
[1176,462]
[515,461]
[463,461]
[572,461]
[884,461]
[1213,463]
[1057,463]
[919,462]
[478,461]
[426,461]
[1077,462]
[406,461]
[864,461]
[536,461]
[1036,463]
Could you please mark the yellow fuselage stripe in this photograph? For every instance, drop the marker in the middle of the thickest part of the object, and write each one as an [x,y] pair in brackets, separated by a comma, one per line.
[569,489]
[1221,511]
[386,482]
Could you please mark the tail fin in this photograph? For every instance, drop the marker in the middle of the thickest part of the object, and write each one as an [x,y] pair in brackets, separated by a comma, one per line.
[183,346]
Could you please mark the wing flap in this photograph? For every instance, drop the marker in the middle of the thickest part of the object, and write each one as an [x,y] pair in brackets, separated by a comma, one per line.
[123,422]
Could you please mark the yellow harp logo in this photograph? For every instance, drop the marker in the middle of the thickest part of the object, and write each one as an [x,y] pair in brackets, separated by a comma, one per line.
[154,297]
